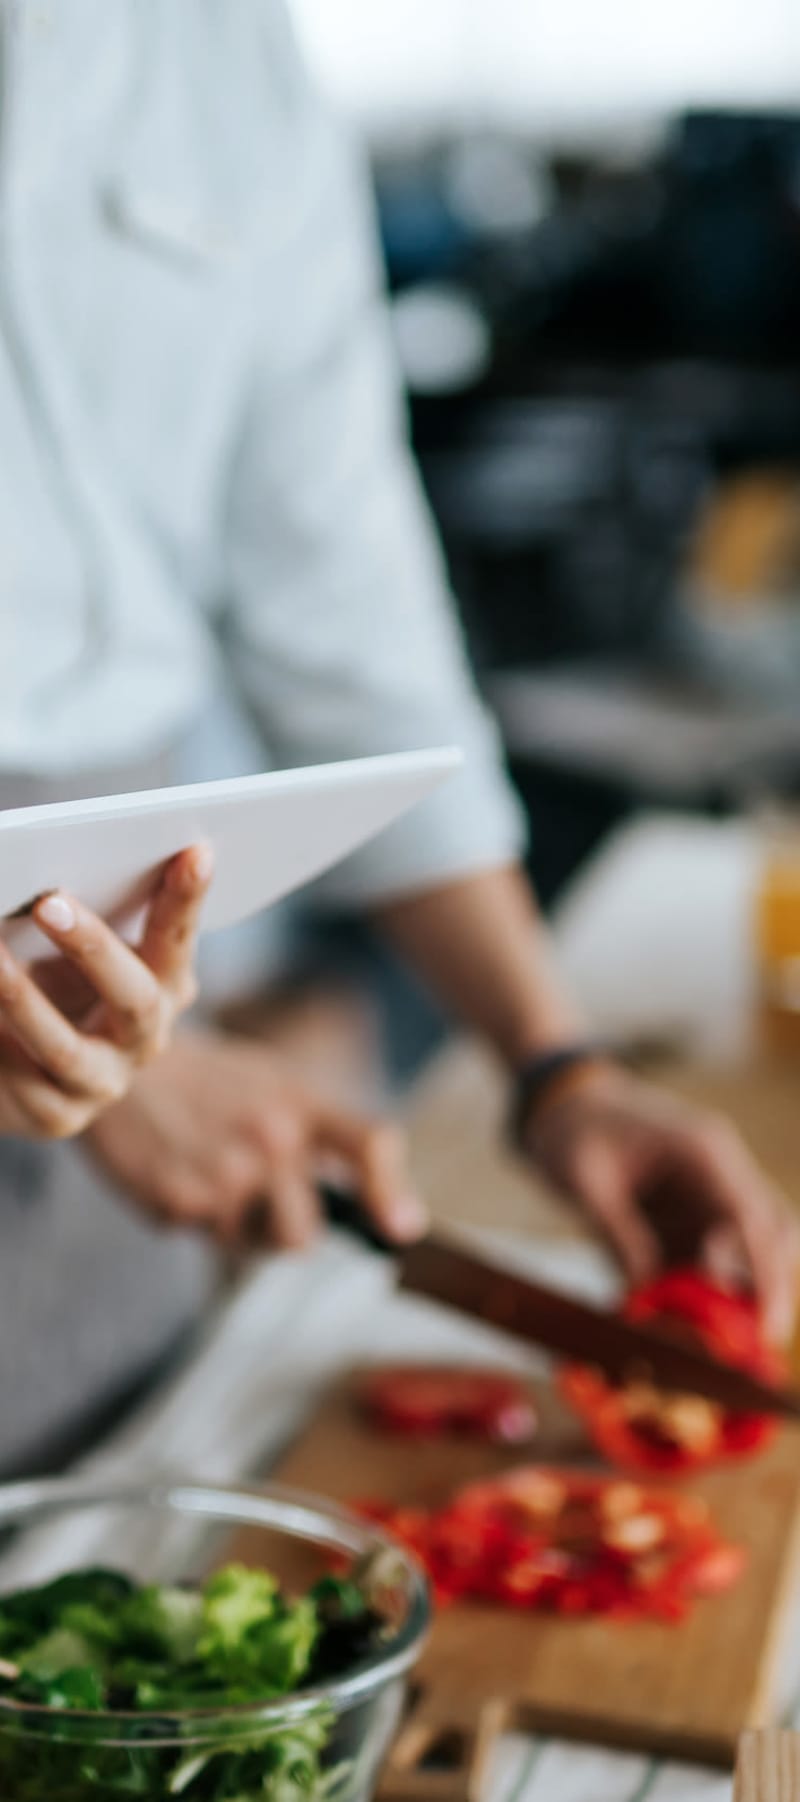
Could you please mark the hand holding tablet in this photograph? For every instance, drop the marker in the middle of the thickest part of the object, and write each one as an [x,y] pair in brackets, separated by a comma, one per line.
[74,1028]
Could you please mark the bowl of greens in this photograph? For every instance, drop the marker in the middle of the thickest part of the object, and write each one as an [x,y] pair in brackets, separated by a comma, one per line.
[179,1639]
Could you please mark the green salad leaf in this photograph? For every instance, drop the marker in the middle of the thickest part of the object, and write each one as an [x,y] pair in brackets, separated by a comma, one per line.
[235,1601]
[93,1642]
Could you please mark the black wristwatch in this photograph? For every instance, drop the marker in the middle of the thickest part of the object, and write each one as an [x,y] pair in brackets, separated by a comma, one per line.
[545,1068]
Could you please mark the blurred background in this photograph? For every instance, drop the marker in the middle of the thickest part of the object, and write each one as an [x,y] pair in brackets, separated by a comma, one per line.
[591,220]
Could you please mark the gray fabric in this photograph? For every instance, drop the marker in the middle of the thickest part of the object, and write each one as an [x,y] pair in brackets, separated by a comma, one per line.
[91,1295]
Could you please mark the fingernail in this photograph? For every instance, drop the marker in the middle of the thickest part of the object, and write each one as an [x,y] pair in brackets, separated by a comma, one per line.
[409,1217]
[188,868]
[56,911]
[203,862]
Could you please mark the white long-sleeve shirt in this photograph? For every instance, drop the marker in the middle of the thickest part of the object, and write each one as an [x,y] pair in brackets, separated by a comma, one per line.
[202,443]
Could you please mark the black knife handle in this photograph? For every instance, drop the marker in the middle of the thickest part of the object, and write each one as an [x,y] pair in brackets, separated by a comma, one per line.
[344,1210]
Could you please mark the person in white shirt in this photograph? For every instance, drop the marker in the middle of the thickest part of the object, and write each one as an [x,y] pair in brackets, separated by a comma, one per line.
[205,464]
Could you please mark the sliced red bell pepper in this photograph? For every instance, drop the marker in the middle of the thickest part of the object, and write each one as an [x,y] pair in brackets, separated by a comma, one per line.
[638,1427]
[426,1401]
[557,1542]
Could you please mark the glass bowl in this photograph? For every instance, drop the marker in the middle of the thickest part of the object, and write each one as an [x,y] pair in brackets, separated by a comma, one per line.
[323,1742]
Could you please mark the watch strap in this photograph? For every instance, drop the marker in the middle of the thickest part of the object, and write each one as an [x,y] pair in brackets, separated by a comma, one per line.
[544,1070]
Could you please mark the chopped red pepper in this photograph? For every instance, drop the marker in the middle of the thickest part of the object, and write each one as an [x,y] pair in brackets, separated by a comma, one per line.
[550,1540]
[637,1426]
[428,1401]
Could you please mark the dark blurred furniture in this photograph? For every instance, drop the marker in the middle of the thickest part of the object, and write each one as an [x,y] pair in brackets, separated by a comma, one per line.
[646,334]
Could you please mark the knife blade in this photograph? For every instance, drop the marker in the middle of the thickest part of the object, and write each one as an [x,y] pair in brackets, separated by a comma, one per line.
[444,1269]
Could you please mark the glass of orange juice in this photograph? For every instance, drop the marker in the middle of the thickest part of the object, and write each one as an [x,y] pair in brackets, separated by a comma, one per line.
[777,926]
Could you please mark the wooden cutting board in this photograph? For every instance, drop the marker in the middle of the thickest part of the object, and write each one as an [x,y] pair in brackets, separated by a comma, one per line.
[685,1690]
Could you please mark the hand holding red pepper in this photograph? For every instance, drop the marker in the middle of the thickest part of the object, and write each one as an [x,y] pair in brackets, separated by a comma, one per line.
[668,1183]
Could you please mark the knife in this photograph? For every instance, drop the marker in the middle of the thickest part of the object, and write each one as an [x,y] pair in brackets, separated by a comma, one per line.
[443,1268]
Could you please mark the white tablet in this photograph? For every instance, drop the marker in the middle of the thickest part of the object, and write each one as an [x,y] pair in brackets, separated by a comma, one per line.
[269,833]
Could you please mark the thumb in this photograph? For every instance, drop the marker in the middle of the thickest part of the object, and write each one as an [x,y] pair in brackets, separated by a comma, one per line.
[605,1188]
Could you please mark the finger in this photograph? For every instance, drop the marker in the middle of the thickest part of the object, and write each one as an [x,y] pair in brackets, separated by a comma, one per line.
[286,1218]
[736,1189]
[63,985]
[633,1245]
[281,1134]
[253,1227]
[79,1065]
[180,1199]
[741,1193]
[607,1194]
[785,1324]
[724,1255]
[168,942]
[726,1258]
[208,1194]
[35,1107]
[234,1177]
[117,975]
[773,1261]
[377,1155]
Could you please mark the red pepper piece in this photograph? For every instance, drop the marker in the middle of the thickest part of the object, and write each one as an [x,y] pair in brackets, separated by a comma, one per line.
[637,1427]
[428,1401]
[559,1542]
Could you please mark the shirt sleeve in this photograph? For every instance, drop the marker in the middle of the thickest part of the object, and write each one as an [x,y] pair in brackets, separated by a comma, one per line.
[339,623]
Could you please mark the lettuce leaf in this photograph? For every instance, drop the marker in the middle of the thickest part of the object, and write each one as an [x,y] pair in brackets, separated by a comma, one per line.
[93,1641]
